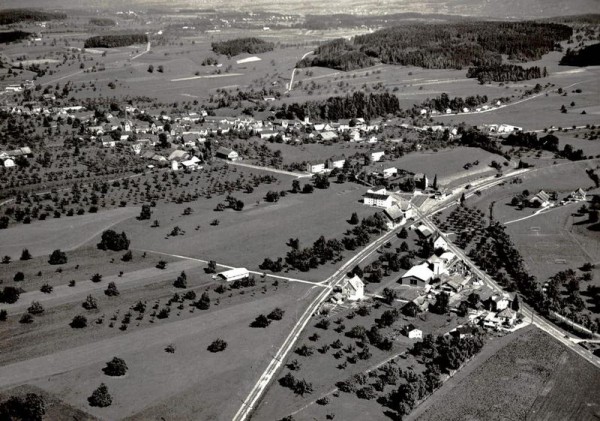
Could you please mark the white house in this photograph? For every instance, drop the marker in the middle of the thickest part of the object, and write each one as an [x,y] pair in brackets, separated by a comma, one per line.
[315,168]
[440,243]
[418,275]
[9,163]
[388,172]
[337,163]
[413,333]
[578,195]
[376,156]
[353,289]
[379,198]
[234,274]
[227,153]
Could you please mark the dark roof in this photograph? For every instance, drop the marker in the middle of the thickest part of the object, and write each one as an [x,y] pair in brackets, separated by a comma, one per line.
[376,196]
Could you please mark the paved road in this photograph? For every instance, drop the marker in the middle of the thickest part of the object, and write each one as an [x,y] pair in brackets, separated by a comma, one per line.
[547,326]
[265,379]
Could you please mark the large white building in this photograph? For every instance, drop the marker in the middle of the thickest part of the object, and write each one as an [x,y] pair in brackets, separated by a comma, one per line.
[379,198]
[234,274]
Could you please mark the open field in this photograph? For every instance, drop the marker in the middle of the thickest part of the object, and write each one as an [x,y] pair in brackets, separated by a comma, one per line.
[261,230]
[532,378]
[549,244]
[154,376]
[42,237]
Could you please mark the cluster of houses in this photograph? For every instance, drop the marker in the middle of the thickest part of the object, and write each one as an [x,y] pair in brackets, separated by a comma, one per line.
[483,108]
[500,128]
[544,199]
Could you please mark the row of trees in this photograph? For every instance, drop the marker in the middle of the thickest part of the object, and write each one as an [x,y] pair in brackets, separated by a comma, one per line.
[549,143]
[586,56]
[443,102]
[505,73]
[357,105]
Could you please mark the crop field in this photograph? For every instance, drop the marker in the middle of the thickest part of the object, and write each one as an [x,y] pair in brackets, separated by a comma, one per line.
[532,378]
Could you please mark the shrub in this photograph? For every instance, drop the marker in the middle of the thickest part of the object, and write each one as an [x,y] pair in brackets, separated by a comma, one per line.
[170,349]
[96,278]
[79,322]
[46,289]
[204,302]
[323,324]
[115,367]
[100,397]
[35,308]
[261,321]
[26,319]
[276,314]
[217,345]
[111,290]
[127,256]
[25,255]
[9,295]
[57,258]
[90,303]
[110,240]
[19,276]
[3,315]
[30,408]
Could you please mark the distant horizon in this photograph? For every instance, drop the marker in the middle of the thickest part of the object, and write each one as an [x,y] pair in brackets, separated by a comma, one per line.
[511,9]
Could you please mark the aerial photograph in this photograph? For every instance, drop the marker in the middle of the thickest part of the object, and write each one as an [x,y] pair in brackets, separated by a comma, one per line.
[277,210]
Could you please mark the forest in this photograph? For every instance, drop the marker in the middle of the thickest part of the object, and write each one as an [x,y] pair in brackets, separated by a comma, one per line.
[338,54]
[237,46]
[448,45]
[9,16]
[357,105]
[113,41]
[12,36]
[505,73]
[587,56]
[102,22]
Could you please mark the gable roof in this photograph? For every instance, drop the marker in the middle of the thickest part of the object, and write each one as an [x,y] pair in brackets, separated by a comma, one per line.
[421,272]
[355,283]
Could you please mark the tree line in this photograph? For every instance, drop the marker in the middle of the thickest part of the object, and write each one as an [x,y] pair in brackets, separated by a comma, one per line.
[505,73]
[449,45]
[116,40]
[10,16]
[547,143]
[443,102]
[357,105]
[338,54]
[586,56]
[237,46]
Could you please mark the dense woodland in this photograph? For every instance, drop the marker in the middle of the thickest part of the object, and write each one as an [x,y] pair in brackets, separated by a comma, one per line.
[357,105]
[587,56]
[113,41]
[449,46]
[237,46]
[505,73]
[338,54]
[321,22]
[12,36]
[9,16]
[102,22]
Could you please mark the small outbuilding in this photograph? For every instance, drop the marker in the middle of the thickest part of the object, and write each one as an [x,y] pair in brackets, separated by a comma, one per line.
[234,274]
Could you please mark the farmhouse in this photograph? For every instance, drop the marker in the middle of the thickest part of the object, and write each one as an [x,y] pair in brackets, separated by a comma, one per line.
[376,156]
[419,275]
[9,163]
[234,274]
[412,332]
[578,195]
[507,316]
[395,216]
[421,181]
[315,167]
[336,163]
[440,243]
[328,136]
[388,172]
[498,302]
[424,231]
[227,153]
[378,198]
[540,200]
[353,289]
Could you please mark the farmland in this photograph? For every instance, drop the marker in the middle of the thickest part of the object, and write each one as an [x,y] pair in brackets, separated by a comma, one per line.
[144,152]
[529,378]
